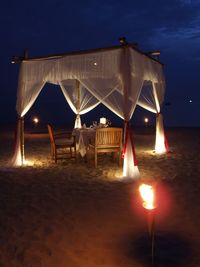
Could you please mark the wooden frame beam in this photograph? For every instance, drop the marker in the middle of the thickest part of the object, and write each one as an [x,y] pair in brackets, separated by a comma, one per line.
[19,59]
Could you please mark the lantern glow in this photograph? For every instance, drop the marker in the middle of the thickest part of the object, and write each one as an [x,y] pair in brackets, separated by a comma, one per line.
[103,120]
[35,120]
[146,120]
[147,194]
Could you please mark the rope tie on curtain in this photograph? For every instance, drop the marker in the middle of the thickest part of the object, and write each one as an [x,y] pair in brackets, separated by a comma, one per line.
[78,120]
[128,132]
[157,114]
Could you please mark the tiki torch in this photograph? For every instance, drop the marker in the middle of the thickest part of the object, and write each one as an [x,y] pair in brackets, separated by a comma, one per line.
[148,197]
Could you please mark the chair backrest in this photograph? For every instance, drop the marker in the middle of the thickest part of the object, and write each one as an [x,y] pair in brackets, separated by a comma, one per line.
[108,137]
[51,134]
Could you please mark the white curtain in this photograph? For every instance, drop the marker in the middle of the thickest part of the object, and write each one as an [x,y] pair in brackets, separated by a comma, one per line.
[161,143]
[131,84]
[80,102]
[28,91]
[112,77]
[151,98]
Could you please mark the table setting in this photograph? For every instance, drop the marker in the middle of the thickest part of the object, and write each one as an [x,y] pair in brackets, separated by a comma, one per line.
[86,135]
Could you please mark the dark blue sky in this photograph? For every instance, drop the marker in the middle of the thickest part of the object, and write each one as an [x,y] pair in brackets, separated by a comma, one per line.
[49,26]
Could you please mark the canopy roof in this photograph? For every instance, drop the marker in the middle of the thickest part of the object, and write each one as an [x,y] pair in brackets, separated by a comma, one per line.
[107,74]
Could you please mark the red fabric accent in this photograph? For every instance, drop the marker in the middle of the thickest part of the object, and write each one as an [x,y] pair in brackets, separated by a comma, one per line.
[125,143]
[166,143]
[128,133]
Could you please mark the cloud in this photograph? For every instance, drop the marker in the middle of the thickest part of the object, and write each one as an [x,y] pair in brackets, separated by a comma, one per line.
[182,40]
[189,2]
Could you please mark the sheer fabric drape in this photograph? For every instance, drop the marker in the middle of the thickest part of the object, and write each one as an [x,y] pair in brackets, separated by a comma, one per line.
[151,98]
[113,77]
[28,91]
[80,102]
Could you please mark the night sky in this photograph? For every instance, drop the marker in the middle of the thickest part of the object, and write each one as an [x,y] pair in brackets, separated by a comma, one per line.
[49,26]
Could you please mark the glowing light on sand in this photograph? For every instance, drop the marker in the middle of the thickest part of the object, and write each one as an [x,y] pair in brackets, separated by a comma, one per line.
[160,144]
[18,159]
[28,163]
[147,194]
[25,162]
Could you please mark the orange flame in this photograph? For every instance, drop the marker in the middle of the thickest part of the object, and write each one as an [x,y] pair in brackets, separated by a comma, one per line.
[147,194]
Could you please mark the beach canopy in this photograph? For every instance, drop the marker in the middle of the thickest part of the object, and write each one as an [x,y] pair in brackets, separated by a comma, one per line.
[119,77]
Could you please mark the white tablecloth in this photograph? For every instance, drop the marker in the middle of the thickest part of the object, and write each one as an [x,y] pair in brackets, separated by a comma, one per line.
[83,138]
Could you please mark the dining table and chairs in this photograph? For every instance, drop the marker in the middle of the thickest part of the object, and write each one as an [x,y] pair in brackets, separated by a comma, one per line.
[86,141]
[99,140]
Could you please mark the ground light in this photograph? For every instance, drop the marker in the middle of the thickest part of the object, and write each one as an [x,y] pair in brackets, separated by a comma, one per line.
[148,198]
[146,120]
[35,120]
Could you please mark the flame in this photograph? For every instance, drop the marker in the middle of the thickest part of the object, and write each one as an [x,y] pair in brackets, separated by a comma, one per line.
[147,194]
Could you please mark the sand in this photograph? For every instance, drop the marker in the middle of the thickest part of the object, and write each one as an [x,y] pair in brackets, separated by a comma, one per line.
[72,215]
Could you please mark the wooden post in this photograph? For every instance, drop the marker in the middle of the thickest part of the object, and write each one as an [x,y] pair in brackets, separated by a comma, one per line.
[78,104]
[78,95]
[25,54]
[21,121]
[21,126]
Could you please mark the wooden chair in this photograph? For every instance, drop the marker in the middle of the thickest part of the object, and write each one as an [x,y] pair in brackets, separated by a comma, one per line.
[62,144]
[107,140]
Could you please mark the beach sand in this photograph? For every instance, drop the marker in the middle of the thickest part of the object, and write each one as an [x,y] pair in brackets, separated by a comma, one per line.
[72,215]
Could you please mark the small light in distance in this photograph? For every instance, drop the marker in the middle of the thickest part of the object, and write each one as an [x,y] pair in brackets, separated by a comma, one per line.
[35,120]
